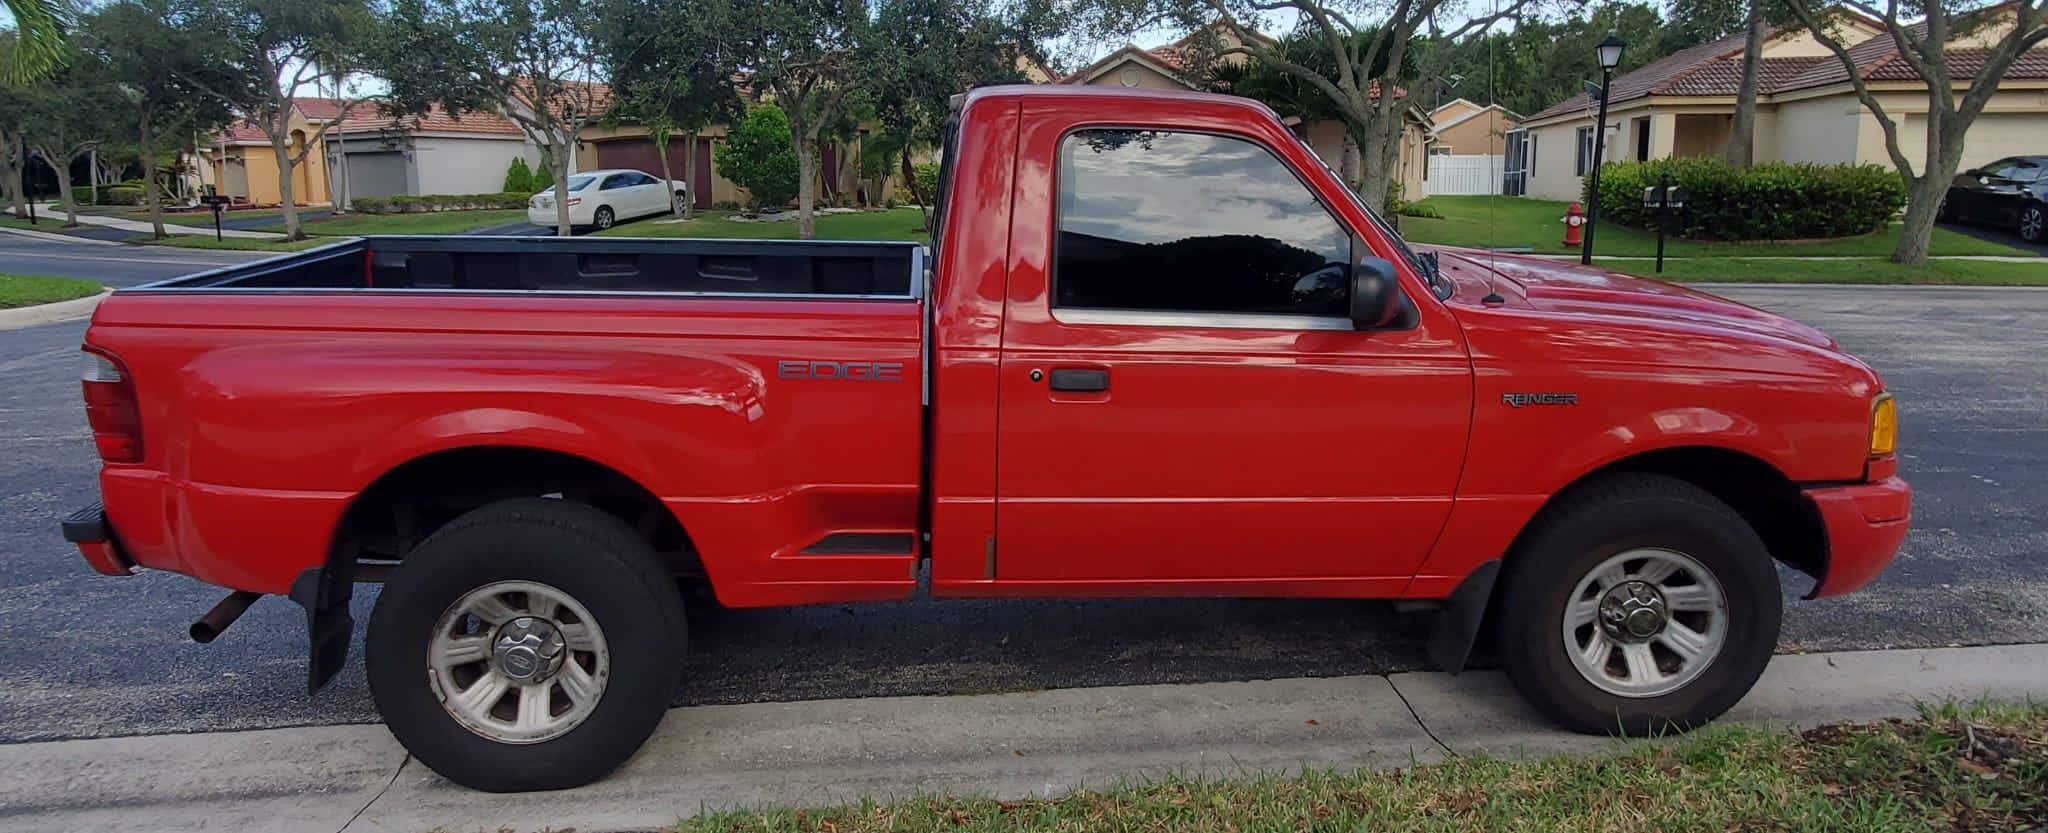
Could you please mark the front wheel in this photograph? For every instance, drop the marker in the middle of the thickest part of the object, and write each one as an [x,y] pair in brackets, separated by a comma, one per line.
[604,217]
[2033,221]
[528,645]
[1638,604]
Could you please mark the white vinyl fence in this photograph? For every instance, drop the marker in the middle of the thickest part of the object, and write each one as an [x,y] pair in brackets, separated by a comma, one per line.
[1479,174]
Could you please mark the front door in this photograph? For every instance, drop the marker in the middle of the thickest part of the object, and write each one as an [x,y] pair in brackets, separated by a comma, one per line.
[1515,168]
[1183,398]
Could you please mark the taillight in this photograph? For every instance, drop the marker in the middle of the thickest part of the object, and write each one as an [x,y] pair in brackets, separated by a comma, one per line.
[575,200]
[110,408]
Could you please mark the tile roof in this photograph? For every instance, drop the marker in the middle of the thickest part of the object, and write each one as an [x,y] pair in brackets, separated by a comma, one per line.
[367,115]
[1715,69]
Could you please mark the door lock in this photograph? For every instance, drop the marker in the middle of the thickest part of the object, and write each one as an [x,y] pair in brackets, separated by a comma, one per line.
[1037,375]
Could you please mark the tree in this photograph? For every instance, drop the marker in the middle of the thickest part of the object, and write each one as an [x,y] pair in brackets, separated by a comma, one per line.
[923,52]
[275,49]
[153,62]
[530,61]
[759,156]
[518,177]
[807,54]
[38,46]
[68,114]
[1539,63]
[673,67]
[2006,31]
[1713,19]
[1294,97]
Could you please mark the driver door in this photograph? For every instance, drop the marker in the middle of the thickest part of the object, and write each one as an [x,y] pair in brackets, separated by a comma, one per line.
[1183,401]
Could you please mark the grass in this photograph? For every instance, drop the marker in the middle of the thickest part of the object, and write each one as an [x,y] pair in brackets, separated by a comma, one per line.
[47,223]
[1521,222]
[205,218]
[237,244]
[29,290]
[893,224]
[1956,768]
[1871,270]
[426,222]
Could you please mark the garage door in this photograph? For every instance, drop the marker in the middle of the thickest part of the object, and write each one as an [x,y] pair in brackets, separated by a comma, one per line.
[1992,136]
[376,174]
[639,155]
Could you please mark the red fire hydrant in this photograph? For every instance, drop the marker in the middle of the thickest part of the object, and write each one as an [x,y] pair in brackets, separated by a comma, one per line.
[1574,221]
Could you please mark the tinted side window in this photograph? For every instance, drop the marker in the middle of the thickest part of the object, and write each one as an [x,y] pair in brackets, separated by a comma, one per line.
[616,181]
[1152,220]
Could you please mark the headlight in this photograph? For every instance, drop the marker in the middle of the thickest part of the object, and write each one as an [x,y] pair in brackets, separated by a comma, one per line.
[1884,426]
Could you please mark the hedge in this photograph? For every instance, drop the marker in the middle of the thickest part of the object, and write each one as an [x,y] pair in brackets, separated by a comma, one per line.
[121,195]
[405,203]
[1767,201]
[81,194]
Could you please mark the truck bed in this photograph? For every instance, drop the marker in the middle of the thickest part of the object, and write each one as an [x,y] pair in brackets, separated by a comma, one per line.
[584,264]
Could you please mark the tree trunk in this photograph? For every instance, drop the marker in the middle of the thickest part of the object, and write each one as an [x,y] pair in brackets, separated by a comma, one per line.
[1347,163]
[92,174]
[17,163]
[558,152]
[806,188]
[64,197]
[668,181]
[689,173]
[150,194]
[1378,168]
[1742,129]
[916,188]
[1922,197]
[287,201]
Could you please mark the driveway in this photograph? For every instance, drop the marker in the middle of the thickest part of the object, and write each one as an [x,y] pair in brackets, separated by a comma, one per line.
[1997,235]
[92,656]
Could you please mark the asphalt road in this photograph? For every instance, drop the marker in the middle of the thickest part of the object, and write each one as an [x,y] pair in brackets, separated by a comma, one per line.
[1997,235]
[111,263]
[82,655]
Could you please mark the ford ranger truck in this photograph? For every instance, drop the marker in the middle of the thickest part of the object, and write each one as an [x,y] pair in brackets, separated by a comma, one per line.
[1157,349]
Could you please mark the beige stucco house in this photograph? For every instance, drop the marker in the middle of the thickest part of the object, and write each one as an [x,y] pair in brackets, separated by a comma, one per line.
[1171,67]
[1466,128]
[1807,110]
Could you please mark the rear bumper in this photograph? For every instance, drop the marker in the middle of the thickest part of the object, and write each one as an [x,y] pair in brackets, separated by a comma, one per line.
[87,529]
[1865,525]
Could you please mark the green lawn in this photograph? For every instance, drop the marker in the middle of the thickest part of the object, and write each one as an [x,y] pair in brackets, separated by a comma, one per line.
[239,244]
[893,224]
[425,222]
[1955,769]
[205,218]
[1521,222]
[46,223]
[1862,270]
[29,290]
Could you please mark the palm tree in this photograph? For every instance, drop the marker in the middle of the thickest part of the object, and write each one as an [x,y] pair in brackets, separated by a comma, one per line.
[39,38]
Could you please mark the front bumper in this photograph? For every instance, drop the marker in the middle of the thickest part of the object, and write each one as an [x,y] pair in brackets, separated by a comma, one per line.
[87,528]
[1865,525]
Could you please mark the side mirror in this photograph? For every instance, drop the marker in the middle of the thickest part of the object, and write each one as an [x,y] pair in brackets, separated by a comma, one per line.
[1375,294]
[1976,172]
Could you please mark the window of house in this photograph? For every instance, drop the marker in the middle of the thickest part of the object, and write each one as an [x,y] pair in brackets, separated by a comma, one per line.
[1190,222]
[1642,131]
[1585,157]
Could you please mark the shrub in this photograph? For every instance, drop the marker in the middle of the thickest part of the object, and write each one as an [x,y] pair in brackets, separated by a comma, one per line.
[725,205]
[543,178]
[371,205]
[519,178]
[1767,201]
[758,157]
[404,202]
[81,194]
[1421,209]
[122,194]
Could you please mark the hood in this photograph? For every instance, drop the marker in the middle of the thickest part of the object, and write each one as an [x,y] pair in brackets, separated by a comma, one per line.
[1561,286]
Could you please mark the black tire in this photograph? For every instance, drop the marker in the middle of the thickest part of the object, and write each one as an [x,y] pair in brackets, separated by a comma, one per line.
[594,558]
[1942,213]
[676,204]
[604,218]
[1606,517]
[2033,224]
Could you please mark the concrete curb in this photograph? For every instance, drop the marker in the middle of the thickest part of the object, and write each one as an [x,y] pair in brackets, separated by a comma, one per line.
[76,308]
[356,778]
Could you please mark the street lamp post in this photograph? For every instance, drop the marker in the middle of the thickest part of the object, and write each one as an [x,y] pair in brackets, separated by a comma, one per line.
[1609,51]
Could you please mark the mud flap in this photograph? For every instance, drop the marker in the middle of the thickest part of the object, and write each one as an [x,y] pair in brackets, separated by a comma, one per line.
[1456,628]
[325,596]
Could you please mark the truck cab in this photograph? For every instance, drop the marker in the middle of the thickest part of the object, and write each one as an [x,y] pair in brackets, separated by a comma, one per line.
[1157,348]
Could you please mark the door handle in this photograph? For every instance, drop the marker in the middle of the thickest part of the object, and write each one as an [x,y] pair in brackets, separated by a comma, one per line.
[1080,381]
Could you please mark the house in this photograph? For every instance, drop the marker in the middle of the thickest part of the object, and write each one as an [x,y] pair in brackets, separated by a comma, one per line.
[1807,110]
[1464,128]
[376,155]
[241,163]
[1172,67]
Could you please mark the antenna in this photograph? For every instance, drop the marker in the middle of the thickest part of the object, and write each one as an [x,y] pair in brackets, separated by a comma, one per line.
[1493,298]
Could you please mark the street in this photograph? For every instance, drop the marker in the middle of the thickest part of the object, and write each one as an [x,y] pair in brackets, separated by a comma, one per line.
[91,656]
[112,264]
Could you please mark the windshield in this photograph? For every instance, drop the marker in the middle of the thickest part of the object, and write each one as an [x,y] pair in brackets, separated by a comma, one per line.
[1427,267]
[576,183]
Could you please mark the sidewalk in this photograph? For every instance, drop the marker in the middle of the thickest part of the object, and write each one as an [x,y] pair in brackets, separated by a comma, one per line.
[356,778]
[143,226]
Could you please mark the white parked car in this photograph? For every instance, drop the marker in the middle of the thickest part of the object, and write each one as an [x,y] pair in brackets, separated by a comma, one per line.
[603,198]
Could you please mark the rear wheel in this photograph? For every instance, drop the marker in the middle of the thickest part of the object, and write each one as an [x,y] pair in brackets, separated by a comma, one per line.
[2033,221]
[528,645]
[1638,604]
[680,201]
[604,217]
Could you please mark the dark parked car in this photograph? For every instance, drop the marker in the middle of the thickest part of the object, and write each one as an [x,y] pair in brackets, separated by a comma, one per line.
[2009,193]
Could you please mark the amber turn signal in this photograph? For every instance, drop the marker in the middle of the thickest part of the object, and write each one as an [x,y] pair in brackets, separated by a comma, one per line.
[1884,426]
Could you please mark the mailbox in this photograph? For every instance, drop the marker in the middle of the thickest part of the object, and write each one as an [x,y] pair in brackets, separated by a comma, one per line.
[1664,198]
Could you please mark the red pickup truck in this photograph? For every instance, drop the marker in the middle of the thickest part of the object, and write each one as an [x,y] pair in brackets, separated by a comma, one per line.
[1157,349]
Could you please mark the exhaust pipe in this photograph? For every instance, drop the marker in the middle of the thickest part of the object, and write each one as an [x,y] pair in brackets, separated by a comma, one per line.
[222,615]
